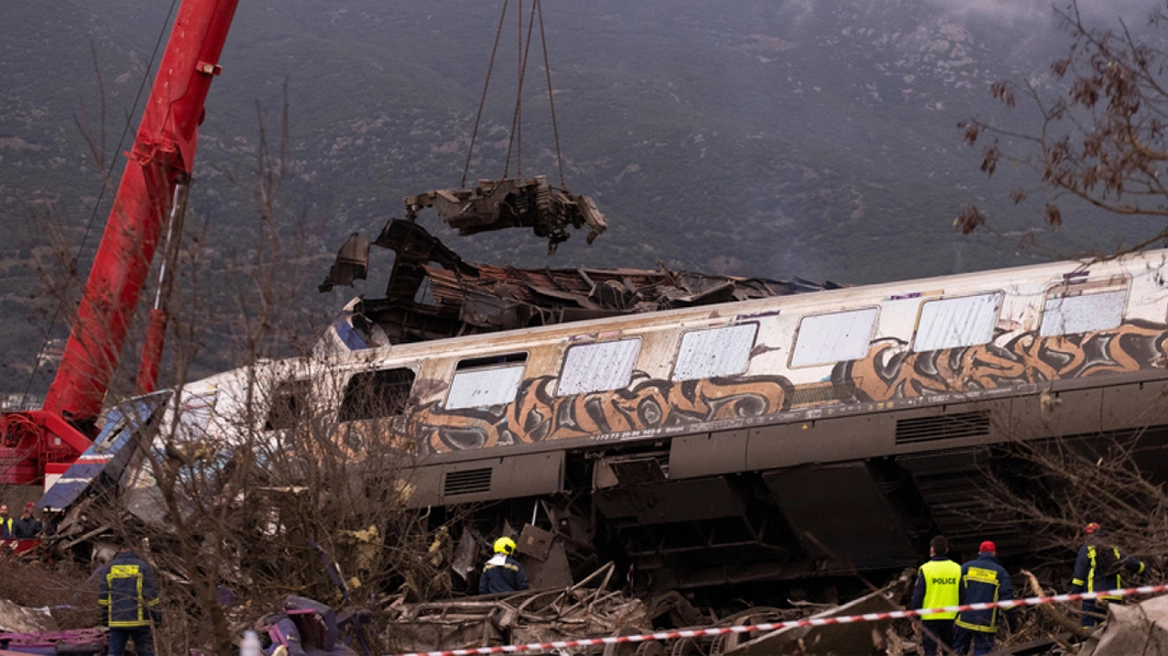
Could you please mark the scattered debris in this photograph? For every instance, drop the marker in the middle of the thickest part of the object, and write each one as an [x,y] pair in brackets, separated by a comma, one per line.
[857,638]
[522,617]
[1057,614]
[1136,629]
[19,619]
[79,642]
[306,626]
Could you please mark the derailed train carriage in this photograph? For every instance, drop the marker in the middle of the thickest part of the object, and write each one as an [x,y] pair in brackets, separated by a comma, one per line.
[803,435]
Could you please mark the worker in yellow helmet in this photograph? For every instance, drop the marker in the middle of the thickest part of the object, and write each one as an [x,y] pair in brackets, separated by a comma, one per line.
[502,573]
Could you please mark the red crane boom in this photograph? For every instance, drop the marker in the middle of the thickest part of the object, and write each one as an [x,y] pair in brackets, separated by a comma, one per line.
[159,163]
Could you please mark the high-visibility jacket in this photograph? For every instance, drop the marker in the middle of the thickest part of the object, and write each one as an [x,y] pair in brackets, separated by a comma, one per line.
[1099,568]
[502,573]
[983,580]
[6,528]
[937,585]
[128,591]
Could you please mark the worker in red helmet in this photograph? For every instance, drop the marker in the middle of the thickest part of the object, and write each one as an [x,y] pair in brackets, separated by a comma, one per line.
[1099,567]
[27,526]
[502,573]
[983,580]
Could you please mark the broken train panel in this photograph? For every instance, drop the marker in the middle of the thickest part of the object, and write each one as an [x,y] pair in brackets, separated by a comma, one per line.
[766,439]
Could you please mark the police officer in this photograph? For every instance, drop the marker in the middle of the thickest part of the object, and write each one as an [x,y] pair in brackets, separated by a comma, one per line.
[983,580]
[128,595]
[502,573]
[1098,567]
[937,586]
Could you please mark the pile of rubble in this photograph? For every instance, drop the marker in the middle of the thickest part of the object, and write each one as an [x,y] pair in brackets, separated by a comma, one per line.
[590,610]
[584,610]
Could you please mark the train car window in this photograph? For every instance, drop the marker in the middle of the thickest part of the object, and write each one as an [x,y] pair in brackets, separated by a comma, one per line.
[195,414]
[598,367]
[831,338]
[373,394]
[714,352]
[1071,314]
[486,381]
[957,322]
[289,403]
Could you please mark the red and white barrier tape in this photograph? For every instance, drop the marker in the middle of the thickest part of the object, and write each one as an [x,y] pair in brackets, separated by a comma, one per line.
[774,626]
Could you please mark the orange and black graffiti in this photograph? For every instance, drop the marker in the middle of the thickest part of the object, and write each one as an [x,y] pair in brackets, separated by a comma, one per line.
[892,371]
[537,414]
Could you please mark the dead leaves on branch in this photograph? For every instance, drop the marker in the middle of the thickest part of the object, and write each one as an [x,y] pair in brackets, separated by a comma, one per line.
[1052,215]
[1003,91]
[989,162]
[1103,137]
[969,220]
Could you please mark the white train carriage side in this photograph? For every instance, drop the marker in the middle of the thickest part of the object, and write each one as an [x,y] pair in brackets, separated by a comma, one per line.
[767,439]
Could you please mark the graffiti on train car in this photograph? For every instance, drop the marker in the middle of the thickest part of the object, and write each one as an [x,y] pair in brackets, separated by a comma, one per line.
[891,371]
[538,414]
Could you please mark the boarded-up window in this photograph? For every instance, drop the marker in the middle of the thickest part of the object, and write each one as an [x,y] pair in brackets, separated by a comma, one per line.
[289,402]
[486,381]
[714,352]
[1083,313]
[373,394]
[957,322]
[836,337]
[598,367]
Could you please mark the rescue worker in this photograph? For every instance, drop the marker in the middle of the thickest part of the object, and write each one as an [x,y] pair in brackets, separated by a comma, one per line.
[128,595]
[983,580]
[936,586]
[27,526]
[5,522]
[502,573]
[1098,567]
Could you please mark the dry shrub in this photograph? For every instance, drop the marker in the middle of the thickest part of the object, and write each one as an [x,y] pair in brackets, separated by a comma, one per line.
[62,586]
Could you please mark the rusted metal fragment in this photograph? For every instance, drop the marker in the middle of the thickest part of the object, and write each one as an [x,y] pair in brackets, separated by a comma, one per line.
[856,638]
[352,263]
[553,294]
[513,203]
[535,542]
[464,554]
[552,572]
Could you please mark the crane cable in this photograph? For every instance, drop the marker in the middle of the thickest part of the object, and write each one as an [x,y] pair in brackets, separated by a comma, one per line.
[483,101]
[515,143]
[551,99]
[105,184]
[516,140]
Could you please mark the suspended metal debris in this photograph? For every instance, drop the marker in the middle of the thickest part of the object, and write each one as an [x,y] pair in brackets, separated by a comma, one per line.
[513,203]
